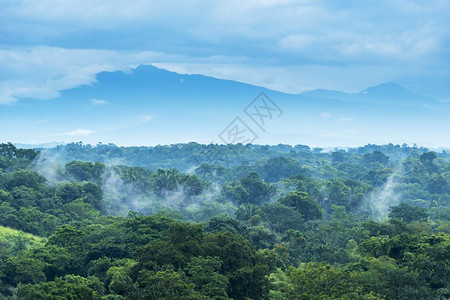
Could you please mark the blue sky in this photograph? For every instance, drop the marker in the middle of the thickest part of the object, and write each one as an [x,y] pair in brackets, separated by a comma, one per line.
[292,46]
[47,46]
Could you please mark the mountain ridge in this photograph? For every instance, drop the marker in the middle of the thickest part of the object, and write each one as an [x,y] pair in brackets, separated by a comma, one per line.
[149,106]
[383,93]
[152,78]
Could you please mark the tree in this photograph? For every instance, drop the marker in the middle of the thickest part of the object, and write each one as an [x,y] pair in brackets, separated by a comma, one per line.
[246,211]
[280,167]
[85,171]
[69,287]
[68,192]
[338,156]
[166,181]
[32,220]
[24,197]
[78,210]
[166,284]
[205,275]
[338,193]
[226,223]
[67,236]
[26,178]
[303,203]
[408,213]
[92,194]
[427,158]
[118,277]
[10,151]
[376,157]
[383,276]
[437,184]
[193,185]
[250,189]
[282,217]
[321,281]
[25,269]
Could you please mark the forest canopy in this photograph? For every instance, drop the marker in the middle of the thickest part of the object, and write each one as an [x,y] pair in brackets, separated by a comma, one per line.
[255,222]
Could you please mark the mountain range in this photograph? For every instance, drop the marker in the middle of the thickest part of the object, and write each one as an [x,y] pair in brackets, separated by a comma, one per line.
[149,106]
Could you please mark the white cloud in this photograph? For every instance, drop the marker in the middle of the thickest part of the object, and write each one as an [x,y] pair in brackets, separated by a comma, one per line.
[146,118]
[325,115]
[6,98]
[297,41]
[284,45]
[344,119]
[296,78]
[41,93]
[41,72]
[341,134]
[98,102]
[75,133]
[40,122]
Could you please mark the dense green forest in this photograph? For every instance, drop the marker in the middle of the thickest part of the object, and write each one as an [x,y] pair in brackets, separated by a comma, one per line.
[192,221]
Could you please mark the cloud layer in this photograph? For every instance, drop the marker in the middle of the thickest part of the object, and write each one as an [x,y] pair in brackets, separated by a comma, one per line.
[47,46]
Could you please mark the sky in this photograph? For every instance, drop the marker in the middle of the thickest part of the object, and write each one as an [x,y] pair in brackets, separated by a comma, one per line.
[48,46]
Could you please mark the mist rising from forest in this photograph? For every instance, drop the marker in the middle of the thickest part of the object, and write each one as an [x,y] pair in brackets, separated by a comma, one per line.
[120,196]
[49,165]
[382,199]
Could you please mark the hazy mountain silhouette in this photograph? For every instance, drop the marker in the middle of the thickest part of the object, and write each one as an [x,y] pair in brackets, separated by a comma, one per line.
[149,105]
[385,93]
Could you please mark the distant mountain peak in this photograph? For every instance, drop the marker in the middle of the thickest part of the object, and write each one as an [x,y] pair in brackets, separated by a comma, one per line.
[384,89]
[387,88]
[385,93]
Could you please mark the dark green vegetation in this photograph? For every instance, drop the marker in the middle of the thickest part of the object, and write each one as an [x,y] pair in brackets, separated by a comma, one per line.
[269,222]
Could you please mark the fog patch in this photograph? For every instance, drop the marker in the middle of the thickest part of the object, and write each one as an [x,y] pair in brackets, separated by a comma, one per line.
[379,201]
[49,165]
[121,197]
